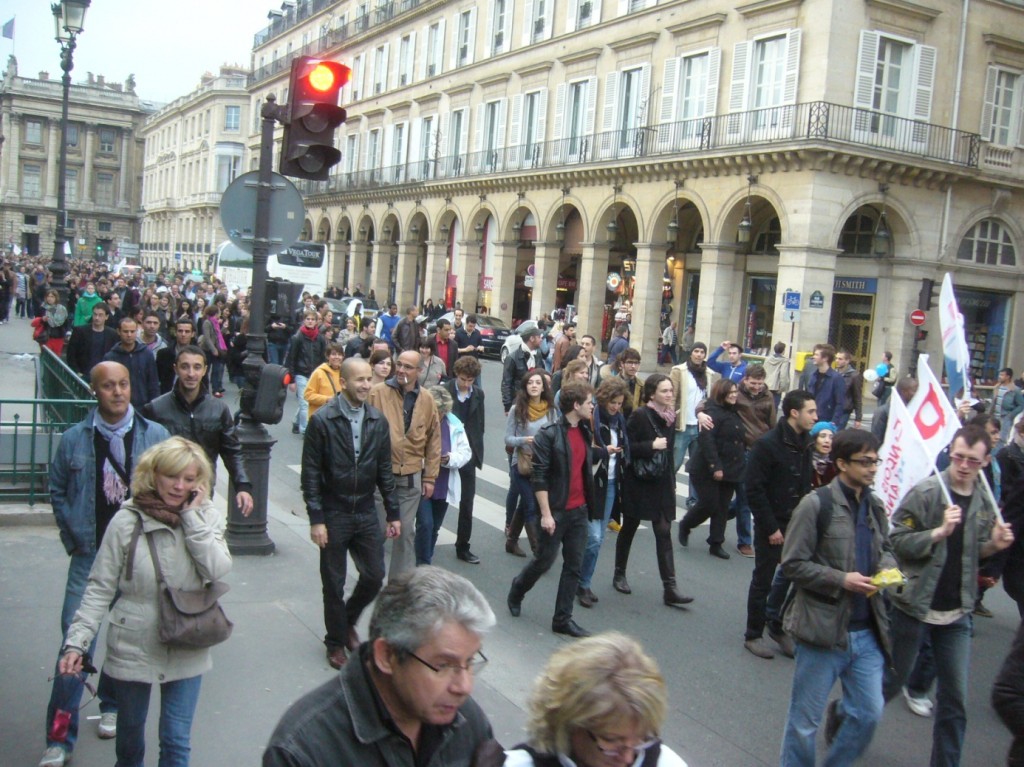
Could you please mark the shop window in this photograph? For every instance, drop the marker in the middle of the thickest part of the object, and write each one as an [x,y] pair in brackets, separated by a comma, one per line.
[766,241]
[988,243]
[857,234]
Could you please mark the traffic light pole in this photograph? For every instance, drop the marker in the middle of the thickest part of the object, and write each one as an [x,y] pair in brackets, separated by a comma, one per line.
[248,535]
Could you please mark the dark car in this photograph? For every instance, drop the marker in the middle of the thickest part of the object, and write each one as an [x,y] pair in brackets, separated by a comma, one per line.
[493,332]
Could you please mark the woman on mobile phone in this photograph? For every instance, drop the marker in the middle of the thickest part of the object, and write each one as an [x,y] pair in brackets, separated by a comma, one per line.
[169,504]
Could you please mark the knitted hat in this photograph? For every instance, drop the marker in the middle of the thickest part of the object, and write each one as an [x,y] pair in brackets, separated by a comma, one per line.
[821,426]
[700,345]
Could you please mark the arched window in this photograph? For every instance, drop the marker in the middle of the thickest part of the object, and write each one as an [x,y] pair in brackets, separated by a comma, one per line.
[988,243]
[769,237]
[857,234]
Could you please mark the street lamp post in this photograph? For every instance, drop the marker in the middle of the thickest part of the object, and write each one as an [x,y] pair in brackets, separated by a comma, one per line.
[69,20]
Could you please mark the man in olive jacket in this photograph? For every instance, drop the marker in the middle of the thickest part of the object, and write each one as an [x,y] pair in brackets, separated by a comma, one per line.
[836,540]
[938,545]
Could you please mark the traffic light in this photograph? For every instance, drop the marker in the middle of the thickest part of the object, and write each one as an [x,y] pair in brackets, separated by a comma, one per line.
[927,299]
[271,393]
[313,113]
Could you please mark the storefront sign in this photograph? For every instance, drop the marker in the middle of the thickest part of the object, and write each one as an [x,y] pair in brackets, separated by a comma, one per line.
[614,281]
[855,285]
[817,300]
[486,283]
[566,283]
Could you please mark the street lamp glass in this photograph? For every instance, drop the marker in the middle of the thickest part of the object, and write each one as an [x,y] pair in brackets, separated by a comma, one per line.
[60,34]
[74,14]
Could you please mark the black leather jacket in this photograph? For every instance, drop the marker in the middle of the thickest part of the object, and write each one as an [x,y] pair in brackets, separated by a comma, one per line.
[305,355]
[778,476]
[332,482]
[551,464]
[516,366]
[207,421]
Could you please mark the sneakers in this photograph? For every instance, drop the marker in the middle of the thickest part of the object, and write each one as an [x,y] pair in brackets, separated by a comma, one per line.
[614,526]
[980,609]
[55,756]
[919,706]
[108,725]
[759,648]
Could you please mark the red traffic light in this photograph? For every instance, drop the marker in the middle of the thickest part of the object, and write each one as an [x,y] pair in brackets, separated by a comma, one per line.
[308,149]
[327,76]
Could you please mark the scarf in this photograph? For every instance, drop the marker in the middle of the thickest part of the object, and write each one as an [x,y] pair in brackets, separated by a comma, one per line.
[310,333]
[667,414]
[536,411]
[699,373]
[153,506]
[221,345]
[821,461]
[114,488]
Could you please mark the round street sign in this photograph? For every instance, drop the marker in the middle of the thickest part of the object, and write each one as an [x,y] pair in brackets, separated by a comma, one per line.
[917,317]
[238,211]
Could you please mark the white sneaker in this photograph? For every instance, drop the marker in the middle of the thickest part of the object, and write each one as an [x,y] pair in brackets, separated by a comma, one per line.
[919,706]
[54,756]
[108,725]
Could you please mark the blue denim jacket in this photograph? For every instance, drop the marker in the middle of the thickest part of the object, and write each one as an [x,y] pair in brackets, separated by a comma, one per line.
[73,480]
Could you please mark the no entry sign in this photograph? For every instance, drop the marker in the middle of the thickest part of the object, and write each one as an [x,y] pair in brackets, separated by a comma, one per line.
[917,317]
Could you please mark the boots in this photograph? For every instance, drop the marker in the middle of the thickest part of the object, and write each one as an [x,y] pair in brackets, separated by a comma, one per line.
[667,570]
[512,532]
[533,536]
[619,582]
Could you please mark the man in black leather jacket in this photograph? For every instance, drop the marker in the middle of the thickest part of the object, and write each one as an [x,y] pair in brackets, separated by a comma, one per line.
[563,481]
[518,364]
[346,455]
[190,411]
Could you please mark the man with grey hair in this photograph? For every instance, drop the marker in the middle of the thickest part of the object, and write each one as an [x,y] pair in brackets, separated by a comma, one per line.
[407,700]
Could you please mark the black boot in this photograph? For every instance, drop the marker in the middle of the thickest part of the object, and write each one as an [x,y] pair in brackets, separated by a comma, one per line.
[533,536]
[619,582]
[512,536]
[667,571]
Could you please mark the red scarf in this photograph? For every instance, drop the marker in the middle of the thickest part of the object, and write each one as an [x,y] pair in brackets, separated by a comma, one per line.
[310,333]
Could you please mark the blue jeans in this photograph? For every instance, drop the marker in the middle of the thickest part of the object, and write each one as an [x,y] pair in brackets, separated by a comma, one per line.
[595,536]
[951,645]
[276,353]
[429,518]
[302,414]
[859,667]
[217,373]
[177,706]
[744,517]
[528,504]
[66,693]
[684,440]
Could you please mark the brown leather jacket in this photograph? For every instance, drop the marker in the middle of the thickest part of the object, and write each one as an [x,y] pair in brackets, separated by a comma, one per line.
[419,448]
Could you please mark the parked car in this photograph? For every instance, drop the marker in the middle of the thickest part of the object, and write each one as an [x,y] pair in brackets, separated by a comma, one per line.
[515,340]
[493,332]
[348,306]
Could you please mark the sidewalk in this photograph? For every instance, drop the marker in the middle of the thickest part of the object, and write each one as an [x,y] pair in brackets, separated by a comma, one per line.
[274,656]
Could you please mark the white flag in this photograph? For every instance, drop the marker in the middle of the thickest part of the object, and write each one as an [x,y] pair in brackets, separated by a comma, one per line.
[904,457]
[932,413]
[954,341]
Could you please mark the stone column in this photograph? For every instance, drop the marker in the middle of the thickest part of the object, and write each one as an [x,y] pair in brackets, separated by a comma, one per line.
[52,164]
[718,291]
[9,169]
[90,151]
[545,277]
[126,172]
[339,254]
[590,293]
[806,270]
[467,271]
[405,277]
[645,328]
[503,273]
[433,280]
[357,265]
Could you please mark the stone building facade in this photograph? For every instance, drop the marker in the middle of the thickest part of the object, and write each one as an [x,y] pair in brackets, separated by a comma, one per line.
[104,163]
[194,147]
[519,155]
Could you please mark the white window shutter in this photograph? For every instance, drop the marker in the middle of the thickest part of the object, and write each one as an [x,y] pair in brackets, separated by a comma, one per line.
[425,57]
[623,7]
[499,141]
[464,134]
[790,88]
[489,35]
[478,138]
[515,136]
[371,59]
[573,15]
[645,96]
[542,115]
[1018,92]
[385,154]
[416,168]
[924,82]
[714,72]
[549,19]
[589,125]
[447,147]
[387,70]
[556,147]
[595,12]
[456,43]
[989,104]
[669,95]
[611,95]
[472,36]
[738,87]
[440,44]
[867,63]
[412,57]
[506,33]
[528,25]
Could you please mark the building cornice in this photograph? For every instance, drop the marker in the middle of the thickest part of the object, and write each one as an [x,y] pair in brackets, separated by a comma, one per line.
[761,7]
[648,38]
[696,25]
[581,56]
[907,8]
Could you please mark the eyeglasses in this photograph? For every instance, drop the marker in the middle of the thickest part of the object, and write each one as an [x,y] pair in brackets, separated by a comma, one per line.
[867,463]
[965,460]
[617,747]
[473,666]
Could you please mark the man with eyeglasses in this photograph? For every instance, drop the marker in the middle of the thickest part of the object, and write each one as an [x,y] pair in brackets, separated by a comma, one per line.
[412,418]
[405,700]
[938,545]
[836,540]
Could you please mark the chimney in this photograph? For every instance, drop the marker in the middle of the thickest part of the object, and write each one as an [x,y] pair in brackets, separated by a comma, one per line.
[90,79]
[44,76]
[101,80]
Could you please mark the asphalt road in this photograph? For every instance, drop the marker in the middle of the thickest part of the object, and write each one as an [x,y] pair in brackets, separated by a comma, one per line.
[727,708]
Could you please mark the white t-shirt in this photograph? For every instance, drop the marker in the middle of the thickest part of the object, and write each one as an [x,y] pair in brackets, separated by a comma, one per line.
[694,396]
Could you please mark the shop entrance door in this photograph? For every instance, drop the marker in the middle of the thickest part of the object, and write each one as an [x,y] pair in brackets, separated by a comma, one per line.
[850,326]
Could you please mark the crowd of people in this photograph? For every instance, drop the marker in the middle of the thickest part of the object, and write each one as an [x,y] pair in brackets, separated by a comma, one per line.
[392,426]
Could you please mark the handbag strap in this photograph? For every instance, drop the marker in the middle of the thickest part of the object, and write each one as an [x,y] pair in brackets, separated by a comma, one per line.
[132,544]
[155,558]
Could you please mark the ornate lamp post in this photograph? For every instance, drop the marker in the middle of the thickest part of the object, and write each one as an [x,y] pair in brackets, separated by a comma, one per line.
[68,21]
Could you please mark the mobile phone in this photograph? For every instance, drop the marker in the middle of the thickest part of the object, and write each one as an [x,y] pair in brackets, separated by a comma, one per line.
[192,496]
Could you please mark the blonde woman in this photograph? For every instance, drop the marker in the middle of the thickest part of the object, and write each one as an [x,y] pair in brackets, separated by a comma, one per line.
[170,505]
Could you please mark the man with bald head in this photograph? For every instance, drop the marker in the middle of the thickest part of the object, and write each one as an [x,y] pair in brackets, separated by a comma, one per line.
[415,448]
[346,454]
[89,478]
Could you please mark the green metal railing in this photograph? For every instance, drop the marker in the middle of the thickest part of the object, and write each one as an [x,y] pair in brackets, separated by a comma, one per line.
[70,396]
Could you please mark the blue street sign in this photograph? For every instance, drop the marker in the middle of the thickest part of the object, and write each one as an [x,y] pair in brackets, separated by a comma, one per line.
[790,300]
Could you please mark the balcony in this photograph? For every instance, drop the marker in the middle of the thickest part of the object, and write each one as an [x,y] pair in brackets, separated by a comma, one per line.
[1002,159]
[801,125]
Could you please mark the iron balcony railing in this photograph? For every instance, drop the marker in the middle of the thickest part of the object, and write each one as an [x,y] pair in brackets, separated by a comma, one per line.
[816,122]
[29,437]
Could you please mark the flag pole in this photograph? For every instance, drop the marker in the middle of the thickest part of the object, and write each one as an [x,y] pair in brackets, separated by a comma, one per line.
[992,497]
[945,490]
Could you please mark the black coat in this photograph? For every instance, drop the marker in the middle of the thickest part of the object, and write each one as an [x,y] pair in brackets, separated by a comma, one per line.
[305,355]
[779,474]
[723,448]
[1008,697]
[551,462]
[649,499]
[80,347]
[517,365]
[333,483]
[473,420]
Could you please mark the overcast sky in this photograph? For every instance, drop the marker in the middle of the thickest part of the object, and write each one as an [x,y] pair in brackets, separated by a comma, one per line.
[166,44]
